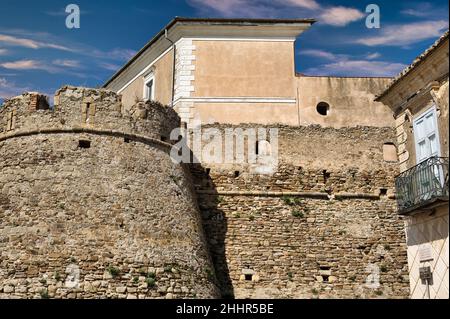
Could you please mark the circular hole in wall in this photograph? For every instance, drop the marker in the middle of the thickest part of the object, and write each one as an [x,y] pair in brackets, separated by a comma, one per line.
[323,108]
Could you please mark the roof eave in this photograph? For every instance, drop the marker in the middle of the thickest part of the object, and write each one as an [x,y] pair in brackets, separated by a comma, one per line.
[233,21]
[421,58]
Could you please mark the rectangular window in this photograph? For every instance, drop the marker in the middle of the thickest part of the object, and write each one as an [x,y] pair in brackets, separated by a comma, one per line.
[426,135]
[11,120]
[149,88]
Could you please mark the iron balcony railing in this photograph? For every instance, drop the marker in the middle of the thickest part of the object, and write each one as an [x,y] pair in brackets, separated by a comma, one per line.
[422,185]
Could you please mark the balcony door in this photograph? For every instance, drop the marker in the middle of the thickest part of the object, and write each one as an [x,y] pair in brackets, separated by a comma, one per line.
[426,135]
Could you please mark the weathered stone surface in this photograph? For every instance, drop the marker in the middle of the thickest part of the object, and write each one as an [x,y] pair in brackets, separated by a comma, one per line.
[268,244]
[90,220]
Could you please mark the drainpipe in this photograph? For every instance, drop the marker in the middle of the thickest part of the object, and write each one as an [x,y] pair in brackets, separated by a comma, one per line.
[173,67]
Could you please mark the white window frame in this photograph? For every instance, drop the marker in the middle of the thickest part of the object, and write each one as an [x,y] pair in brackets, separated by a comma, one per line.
[150,77]
[431,110]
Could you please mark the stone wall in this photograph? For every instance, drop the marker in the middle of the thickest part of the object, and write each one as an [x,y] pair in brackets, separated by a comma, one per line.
[324,225]
[91,205]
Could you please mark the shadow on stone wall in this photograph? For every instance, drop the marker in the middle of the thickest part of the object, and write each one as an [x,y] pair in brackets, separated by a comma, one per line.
[215,226]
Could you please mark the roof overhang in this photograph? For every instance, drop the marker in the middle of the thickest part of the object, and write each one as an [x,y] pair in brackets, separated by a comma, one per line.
[443,40]
[179,27]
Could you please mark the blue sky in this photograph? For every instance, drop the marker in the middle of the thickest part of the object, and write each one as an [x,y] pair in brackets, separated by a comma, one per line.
[38,52]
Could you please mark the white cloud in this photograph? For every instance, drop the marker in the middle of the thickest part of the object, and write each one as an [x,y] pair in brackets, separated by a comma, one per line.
[67,63]
[252,7]
[336,16]
[23,65]
[340,16]
[318,54]
[39,40]
[57,66]
[401,35]
[9,89]
[346,65]
[424,9]
[324,55]
[415,13]
[373,56]
[308,4]
[29,43]
[227,7]
[118,54]
[109,66]
[358,68]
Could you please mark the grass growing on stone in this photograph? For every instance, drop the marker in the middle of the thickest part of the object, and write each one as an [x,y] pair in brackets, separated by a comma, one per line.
[175,179]
[168,269]
[44,294]
[113,271]
[297,214]
[210,274]
[291,201]
[151,282]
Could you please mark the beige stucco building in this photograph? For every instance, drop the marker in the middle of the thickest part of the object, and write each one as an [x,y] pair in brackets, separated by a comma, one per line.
[243,71]
[418,98]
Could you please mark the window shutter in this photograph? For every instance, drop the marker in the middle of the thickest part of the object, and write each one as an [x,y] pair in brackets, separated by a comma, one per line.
[426,136]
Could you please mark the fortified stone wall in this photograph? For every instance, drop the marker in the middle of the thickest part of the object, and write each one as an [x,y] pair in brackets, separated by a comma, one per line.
[91,205]
[324,225]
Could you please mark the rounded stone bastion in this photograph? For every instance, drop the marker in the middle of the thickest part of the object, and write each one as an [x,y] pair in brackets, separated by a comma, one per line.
[91,204]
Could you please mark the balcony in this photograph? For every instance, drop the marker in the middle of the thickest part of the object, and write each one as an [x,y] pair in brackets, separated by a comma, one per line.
[423,186]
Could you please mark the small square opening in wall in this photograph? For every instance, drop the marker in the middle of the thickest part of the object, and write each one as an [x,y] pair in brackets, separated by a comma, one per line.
[84,144]
[383,191]
[390,152]
[248,277]
[326,176]
[236,174]
[325,273]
